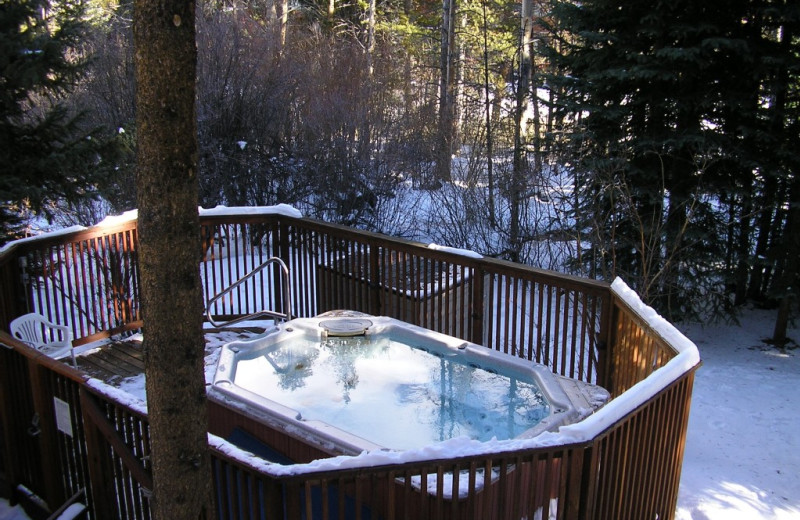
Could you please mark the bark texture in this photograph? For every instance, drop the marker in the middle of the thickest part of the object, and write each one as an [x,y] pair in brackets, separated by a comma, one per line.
[169,238]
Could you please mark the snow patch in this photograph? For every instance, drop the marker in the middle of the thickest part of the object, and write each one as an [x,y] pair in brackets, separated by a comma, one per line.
[49,234]
[7,512]
[455,251]
[280,209]
[115,220]
[134,386]
[72,512]
[118,395]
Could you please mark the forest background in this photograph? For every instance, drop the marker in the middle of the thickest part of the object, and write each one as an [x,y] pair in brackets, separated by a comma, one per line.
[656,141]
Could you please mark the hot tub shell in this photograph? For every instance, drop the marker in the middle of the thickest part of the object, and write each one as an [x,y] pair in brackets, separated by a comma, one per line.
[570,400]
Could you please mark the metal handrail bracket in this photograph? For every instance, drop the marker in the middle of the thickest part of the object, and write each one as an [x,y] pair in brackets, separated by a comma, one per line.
[287,296]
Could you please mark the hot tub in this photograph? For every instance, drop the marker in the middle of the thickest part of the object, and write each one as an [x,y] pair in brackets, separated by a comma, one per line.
[356,383]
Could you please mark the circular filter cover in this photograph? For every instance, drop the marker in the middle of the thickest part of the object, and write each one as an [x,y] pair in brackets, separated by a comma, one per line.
[346,327]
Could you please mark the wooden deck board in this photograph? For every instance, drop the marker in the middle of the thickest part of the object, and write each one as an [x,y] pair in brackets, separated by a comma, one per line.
[114,361]
[119,355]
[121,359]
[131,349]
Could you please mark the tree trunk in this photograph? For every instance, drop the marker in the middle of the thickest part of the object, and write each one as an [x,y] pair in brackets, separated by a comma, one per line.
[447,97]
[519,172]
[787,284]
[363,139]
[169,238]
[743,250]
[533,87]
[408,10]
[488,117]
[283,19]
[756,290]
[370,38]
[277,18]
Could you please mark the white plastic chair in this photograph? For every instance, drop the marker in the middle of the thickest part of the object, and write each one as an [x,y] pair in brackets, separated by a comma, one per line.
[49,338]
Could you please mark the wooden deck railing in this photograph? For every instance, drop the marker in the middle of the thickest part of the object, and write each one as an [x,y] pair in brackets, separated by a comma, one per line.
[626,468]
[88,279]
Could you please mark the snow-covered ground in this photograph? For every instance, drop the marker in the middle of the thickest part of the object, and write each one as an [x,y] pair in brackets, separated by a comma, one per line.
[742,456]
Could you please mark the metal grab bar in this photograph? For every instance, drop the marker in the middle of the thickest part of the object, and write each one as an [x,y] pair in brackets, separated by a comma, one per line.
[287,296]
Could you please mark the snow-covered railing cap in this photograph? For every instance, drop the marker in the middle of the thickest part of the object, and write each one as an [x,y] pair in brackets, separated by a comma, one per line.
[132,215]
[118,395]
[455,251]
[48,234]
[279,209]
[114,220]
[688,357]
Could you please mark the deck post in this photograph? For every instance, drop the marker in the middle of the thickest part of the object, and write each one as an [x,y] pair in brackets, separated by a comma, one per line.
[605,340]
[282,251]
[8,460]
[101,474]
[476,306]
[48,440]
[374,279]
[13,288]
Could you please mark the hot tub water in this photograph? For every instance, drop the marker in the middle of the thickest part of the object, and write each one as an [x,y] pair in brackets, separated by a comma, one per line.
[392,393]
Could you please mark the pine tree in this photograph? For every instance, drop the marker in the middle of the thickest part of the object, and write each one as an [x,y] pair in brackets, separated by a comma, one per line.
[655,86]
[45,155]
[782,24]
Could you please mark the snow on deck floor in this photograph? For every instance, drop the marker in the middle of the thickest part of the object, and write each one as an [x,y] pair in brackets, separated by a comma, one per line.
[11,513]
[743,446]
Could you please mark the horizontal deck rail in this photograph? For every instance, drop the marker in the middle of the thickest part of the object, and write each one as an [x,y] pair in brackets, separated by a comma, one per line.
[624,462]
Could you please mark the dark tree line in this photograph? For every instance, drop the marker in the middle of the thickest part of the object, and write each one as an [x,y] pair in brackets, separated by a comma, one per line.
[654,142]
[687,146]
[47,155]
[291,102]
[278,122]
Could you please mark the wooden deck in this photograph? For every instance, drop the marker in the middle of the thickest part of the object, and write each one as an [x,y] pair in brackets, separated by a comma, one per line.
[114,361]
[124,358]
[579,328]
